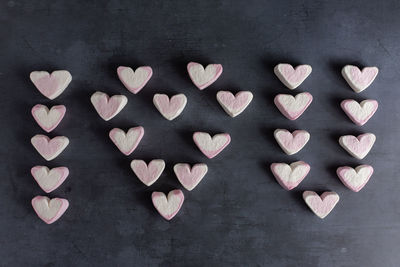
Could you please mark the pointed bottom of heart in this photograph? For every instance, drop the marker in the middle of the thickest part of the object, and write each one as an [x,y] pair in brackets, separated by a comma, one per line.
[321,205]
[168,206]
[49,210]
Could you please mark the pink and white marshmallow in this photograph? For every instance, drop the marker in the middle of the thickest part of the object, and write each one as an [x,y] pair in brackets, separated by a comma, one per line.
[49,210]
[292,77]
[203,77]
[355,179]
[234,104]
[47,119]
[170,108]
[51,85]
[47,179]
[134,81]
[168,206]
[108,107]
[211,146]
[127,142]
[290,176]
[359,80]
[49,148]
[359,146]
[293,107]
[291,143]
[148,173]
[321,205]
[361,112]
[188,176]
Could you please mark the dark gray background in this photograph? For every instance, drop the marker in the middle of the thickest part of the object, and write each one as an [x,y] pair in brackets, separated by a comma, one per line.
[238,215]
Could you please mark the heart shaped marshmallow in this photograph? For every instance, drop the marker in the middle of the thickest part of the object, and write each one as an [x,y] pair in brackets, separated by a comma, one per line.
[211,146]
[292,77]
[170,108]
[291,143]
[51,85]
[49,180]
[234,104]
[359,146]
[190,177]
[323,205]
[292,107]
[355,179]
[290,176]
[47,119]
[359,113]
[134,81]
[108,107]
[127,142]
[49,210]
[49,148]
[148,174]
[169,206]
[359,80]
[201,77]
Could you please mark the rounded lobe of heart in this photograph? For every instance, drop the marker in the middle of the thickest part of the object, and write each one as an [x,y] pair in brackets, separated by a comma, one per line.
[170,108]
[355,179]
[49,148]
[290,176]
[359,80]
[51,85]
[169,206]
[293,107]
[201,77]
[323,205]
[134,81]
[234,105]
[127,142]
[108,107]
[190,177]
[291,143]
[49,180]
[291,77]
[49,210]
[47,119]
[359,113]
[359,146]
[211,147]
[148,174]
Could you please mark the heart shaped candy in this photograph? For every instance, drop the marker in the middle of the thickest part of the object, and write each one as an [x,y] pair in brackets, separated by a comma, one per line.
[201,77]
[51,85]
[234,104]
[127,142]
[49,210]
[170,108]
[291,143]
[49,148]
[47,119]
[134,81]
[359,80]
[359,113]
[211,146]
[359,146]
[292,77]
[290,176]
[49,180]
[169,206]
[190,177]
[292,107]
[148,174]
[355,179]
[323,205]
[108,107]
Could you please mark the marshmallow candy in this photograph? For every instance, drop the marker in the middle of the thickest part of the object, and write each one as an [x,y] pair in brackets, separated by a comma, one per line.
[49,148]
[170,108]
[291,143]
[359,80]
[321,205]
[292,77]
[359,146]
[211,146]
[292,107]
[290,176]
[359,113]
[49,210]
[47,119]
[51,85]
[134,81]
[355,179]
[201,77]
[108,107]
[188,176]
[169,206]
[234,104]
[127,142]
[148,174]
[49,180]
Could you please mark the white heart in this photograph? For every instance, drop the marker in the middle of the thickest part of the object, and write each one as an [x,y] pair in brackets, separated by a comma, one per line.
[134,81]
[127,142]
[359,113]
[49,180]
[108,107]
[170,108]
[355,179]
[358,79]
[290,176]
[51,85]
[292,107]
[169,206]
[201,77]
[48,119]
[359,146]
[234,104]
[211,146]
[49,210]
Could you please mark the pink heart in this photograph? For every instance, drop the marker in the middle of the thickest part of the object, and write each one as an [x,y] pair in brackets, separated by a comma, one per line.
[52,85]
[211,146]
[49,148]
[47,119]
[323,205]
[201,77]
[290,176]
[291,77]
[190,177]
[49,180]
[49,210]
[108,107]
[134,81]
[148,174]
[359,80]
[355,179]
[234,105]
[358,146]
[292,107]
[169,206]
[170,108]
[127,142]
[291,143]
[359,113]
